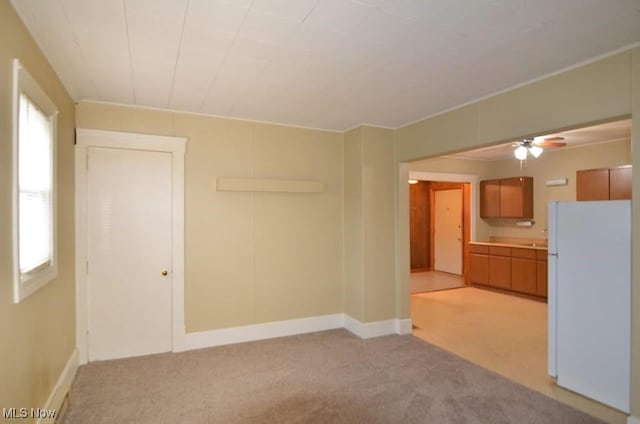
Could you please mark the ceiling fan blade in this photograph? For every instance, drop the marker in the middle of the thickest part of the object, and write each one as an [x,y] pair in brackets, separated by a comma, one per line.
[550,143]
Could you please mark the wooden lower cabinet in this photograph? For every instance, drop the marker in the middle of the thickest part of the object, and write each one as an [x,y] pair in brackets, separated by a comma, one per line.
[479,268]
[523,275]
[500,272]
[521,270]
[541,278]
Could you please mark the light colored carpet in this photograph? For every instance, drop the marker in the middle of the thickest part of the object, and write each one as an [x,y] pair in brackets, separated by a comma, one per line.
[428,281]
[326,377]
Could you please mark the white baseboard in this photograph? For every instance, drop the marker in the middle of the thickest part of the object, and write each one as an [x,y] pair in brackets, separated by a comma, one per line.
[404,326]
[633,420]
[267,330]
[368,330]
[270,330]
[61,387]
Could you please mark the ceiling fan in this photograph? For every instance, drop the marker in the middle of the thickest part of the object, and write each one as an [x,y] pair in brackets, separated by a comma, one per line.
[535,147]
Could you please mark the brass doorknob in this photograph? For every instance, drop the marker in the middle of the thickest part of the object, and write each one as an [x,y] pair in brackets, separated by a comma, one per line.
[164,272]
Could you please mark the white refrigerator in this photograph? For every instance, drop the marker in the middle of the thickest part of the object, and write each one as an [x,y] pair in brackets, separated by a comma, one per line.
[590,299]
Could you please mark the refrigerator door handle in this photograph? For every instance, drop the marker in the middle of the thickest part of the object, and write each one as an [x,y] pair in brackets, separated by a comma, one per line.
[553,254]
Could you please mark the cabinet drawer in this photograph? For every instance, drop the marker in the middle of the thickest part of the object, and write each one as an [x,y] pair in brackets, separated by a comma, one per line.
[499,251]
[541,255]
[523,253]
[478,248]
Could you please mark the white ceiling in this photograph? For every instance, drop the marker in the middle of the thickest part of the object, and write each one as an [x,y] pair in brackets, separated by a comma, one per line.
[580,137]
[328,64]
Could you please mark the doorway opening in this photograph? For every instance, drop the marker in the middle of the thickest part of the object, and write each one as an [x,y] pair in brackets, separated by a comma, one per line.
[497,320]
[440,230]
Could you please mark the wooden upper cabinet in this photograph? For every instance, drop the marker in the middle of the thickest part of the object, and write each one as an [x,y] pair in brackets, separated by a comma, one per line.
[507,198]
[592,184]
[489,198]
[603,184]
[620,183]
[516,197]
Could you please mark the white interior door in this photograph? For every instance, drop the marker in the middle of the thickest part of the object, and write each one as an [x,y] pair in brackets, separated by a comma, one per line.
[129,230]
[448,231]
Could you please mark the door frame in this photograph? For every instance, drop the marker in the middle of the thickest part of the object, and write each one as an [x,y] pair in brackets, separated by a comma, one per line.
[474,205]
[176,146]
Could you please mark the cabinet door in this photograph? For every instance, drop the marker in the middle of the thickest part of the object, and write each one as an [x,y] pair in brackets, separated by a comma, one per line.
[541,278]
[523,275]
[479,268]
[516,197]
[620,183]
[592,184]
[500,272]
[490,199]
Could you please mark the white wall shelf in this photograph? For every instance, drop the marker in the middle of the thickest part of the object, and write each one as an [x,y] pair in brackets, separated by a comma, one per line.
[269,185]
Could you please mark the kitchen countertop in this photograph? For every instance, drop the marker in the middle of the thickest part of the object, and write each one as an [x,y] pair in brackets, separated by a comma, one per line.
[520,246]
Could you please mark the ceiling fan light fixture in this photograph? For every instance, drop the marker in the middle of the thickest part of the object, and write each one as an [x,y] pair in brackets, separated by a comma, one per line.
[520,153]
[413,181]
[536,151]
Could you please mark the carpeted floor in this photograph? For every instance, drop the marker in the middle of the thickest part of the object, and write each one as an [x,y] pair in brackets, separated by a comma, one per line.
[326,377]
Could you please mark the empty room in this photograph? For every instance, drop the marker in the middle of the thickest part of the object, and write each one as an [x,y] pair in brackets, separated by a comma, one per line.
[208,211]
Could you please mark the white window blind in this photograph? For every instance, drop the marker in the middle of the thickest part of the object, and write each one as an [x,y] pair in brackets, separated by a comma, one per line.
[35,258]
[34,187]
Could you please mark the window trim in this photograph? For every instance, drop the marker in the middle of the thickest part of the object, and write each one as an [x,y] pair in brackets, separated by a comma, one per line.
[27,283]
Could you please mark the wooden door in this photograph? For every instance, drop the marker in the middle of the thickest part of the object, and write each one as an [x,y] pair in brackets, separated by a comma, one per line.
[620,183]
[592,184]
[490,199]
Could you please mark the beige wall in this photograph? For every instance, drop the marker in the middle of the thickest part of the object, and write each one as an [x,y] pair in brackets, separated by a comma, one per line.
[353,225]
[596,92]
[370,231]
[37,335]
[591,93]
[558,163]
[379,194]
[250,257]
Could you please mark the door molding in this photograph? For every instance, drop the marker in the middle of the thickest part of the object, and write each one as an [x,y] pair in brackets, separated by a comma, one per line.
[87,138]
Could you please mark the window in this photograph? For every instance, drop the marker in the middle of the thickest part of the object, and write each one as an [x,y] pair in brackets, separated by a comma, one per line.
[34,200]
